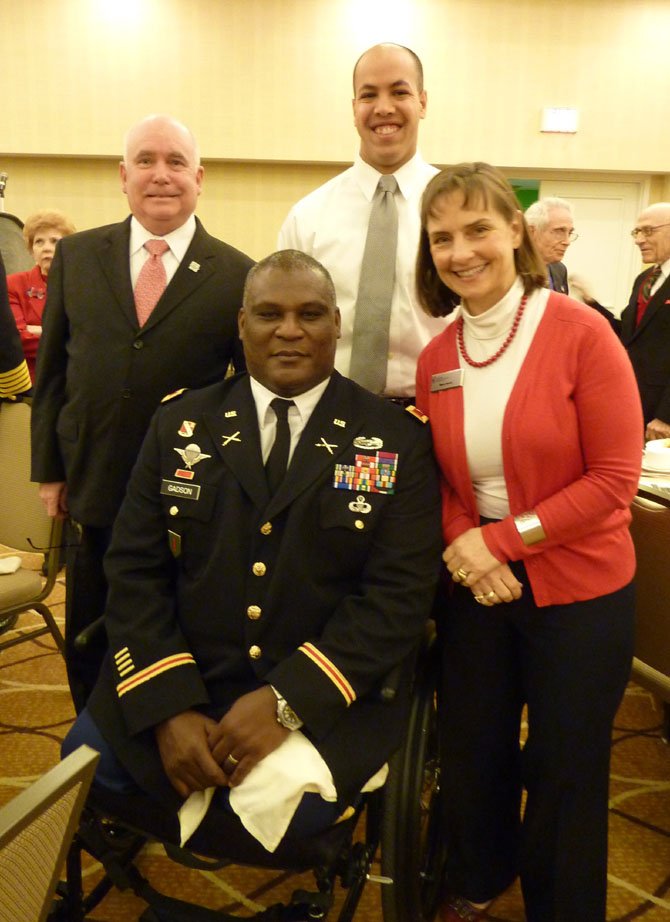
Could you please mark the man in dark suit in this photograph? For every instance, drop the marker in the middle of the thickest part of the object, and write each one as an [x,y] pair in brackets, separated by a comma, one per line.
[238,616]
[645,322]
[102,368]
[552,228]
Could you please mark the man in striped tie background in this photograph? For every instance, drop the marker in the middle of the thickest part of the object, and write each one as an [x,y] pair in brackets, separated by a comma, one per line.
[645,323]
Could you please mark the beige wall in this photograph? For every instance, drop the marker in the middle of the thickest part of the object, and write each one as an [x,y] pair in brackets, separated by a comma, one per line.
[265,85]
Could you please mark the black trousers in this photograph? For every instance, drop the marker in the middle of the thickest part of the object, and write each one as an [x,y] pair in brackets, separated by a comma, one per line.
[85,599]
[570,665]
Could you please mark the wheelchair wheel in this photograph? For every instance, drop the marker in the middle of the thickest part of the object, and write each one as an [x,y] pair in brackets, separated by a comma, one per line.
[412,850]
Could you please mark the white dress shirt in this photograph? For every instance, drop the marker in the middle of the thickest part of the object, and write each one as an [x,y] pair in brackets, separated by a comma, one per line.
[331,224]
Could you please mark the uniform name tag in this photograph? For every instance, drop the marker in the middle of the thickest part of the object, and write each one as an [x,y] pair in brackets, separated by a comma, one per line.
[446,380]
[183,490]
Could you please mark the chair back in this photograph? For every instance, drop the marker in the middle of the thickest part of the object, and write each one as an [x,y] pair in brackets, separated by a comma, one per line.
[36,829]
[15,255]
[22,514]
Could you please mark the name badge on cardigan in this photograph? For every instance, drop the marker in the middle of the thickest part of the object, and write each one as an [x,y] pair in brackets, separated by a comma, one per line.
[446,380]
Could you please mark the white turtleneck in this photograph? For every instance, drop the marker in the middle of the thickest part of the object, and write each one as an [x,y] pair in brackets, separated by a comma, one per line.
[486,390]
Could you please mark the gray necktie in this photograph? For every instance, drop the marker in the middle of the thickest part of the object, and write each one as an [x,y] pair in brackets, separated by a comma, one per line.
[372,318]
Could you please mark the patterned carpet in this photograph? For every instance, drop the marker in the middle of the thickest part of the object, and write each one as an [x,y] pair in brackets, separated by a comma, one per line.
[35,712]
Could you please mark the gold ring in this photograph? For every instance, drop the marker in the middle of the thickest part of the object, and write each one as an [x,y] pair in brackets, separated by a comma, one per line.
[460,575]
[230,758]
[480,599]
[491,595]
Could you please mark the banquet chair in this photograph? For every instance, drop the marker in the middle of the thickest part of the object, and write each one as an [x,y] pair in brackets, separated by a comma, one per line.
[650,529]
[15,255]
[114,828]
[36,829]
[25,526]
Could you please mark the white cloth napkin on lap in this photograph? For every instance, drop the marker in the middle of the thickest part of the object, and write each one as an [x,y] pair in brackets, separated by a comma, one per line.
[270,794]
[9,564]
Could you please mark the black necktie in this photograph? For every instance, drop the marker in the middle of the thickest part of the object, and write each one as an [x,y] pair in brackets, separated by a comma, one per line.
[275,466]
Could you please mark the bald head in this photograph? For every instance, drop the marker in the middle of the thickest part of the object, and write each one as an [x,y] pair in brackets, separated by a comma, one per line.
[154,123]
[161,173]
[652,233]
[392,46]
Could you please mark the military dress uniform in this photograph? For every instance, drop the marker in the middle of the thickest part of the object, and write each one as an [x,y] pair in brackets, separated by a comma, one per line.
[216,588]
[14,374]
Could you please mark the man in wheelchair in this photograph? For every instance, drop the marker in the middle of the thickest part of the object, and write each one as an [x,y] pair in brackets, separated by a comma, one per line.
[273,561]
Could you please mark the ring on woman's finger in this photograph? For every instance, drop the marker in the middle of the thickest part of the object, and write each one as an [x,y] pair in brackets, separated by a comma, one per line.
[460,575]
[481,599]
[491,595]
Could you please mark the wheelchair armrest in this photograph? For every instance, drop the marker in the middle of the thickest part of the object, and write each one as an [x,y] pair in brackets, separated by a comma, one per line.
[91,633]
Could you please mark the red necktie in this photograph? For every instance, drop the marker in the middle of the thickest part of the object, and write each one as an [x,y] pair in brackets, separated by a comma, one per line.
[151,281]
[644,294]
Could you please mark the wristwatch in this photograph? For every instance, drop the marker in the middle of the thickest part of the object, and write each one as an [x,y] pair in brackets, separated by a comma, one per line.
[286,716]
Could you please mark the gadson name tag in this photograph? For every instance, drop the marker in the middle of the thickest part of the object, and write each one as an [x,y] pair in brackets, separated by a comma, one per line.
[182,490]
[446,380]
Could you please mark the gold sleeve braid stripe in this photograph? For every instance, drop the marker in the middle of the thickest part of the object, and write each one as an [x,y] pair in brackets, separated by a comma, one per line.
[15,381]
[151,672]
[336,677]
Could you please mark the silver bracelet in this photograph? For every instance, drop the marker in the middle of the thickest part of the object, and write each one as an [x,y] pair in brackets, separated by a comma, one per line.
[529,527]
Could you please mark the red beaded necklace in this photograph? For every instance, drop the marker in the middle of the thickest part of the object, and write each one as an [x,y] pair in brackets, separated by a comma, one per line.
[496,355]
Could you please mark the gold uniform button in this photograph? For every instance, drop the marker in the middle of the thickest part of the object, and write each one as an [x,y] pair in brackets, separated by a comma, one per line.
[253,612]
[174,510]
[259,569]
[255,652]
[359,524]
[266,528]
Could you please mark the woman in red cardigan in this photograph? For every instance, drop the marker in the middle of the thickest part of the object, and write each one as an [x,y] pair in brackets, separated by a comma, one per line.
[28,290]
[537,429]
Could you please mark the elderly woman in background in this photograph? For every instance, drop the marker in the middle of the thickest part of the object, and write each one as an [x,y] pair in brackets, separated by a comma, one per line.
[28,290]
[536,425]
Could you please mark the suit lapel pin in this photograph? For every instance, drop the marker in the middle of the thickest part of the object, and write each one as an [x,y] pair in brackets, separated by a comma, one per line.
[194,266]
[229,414]
[227,439]
[339,422]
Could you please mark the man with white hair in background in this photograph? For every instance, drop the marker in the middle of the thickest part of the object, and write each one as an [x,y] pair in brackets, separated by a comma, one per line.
[553,230]
[134,311]
[645,322]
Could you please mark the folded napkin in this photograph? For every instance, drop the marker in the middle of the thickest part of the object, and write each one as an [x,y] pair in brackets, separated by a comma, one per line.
[9,564]
[270,794]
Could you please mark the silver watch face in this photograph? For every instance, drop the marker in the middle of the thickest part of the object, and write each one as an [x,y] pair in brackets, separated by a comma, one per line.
[287,716]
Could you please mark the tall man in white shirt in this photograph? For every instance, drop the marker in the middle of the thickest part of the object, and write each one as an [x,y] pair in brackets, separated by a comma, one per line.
[108,356]
[331,223]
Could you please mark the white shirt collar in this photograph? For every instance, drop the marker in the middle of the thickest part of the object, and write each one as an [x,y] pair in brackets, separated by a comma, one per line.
[305,403]
[407,176]
[178,240]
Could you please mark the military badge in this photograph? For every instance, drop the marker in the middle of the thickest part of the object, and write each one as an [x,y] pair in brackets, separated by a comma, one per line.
[187,429]
[368,474]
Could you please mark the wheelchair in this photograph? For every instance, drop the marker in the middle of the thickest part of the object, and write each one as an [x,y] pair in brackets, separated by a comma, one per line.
[400,820]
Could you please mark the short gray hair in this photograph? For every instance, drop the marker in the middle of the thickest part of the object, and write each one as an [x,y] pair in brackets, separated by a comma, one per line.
[538,214]
[291,261]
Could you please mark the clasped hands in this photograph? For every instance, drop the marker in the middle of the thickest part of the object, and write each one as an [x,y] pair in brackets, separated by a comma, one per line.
[471,564]
[198,752]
